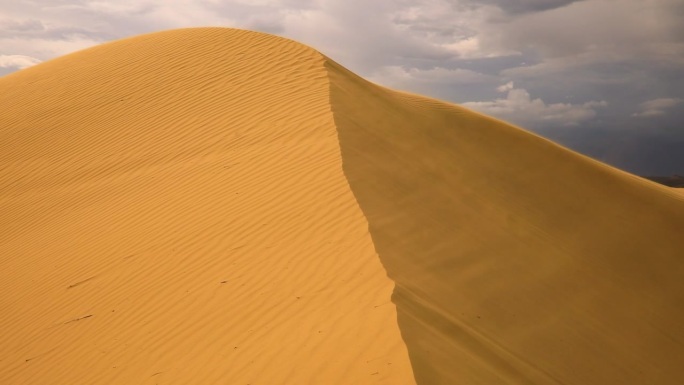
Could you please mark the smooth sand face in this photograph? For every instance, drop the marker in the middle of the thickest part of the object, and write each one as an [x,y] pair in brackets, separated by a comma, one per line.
[218,206]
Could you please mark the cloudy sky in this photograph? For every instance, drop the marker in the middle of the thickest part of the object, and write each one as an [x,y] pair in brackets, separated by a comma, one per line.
[605,77]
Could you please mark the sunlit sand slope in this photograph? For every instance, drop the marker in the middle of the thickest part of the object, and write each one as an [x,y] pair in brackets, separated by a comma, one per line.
[174,211]
[515,260]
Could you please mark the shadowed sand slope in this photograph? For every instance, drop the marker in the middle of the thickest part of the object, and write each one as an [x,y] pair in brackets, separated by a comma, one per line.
[174,211]
[515,260]
[213,206]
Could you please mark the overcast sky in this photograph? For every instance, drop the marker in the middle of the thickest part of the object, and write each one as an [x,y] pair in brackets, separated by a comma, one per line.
[564,68]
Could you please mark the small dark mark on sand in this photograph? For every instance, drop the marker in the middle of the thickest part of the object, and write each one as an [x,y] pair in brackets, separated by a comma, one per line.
[81,282]
[79,318]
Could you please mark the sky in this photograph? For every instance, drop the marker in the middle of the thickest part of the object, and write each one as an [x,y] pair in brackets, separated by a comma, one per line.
[604,77]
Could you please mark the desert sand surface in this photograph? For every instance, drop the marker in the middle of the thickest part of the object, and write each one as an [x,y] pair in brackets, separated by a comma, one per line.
[216,206]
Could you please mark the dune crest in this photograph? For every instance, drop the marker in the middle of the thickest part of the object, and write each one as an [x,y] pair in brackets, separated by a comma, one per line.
[222,206]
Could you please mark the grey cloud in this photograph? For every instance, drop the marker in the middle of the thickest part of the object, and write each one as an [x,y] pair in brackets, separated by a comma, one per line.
[21,26]
[599,29]
[526,6]
[366,41]
[519,107]
[35,29]
[656,107]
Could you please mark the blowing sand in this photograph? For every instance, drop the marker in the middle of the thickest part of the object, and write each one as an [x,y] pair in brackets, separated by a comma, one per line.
[215,206]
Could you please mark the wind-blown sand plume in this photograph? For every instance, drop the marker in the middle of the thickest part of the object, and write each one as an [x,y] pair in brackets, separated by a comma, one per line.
[174,211]
[209,206]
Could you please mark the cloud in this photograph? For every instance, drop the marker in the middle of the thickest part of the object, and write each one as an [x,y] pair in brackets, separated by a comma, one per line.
[17,61]
[609,31]
[656,107]
[506,87]
[528,6]
[519,107]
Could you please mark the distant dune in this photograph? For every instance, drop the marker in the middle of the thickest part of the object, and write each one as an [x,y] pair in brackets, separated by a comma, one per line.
[216,206]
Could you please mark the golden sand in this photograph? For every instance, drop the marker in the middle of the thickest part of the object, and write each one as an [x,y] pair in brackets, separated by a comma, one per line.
[215,206]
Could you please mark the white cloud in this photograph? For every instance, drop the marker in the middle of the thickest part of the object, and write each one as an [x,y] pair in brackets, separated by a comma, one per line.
[519,107]
[656,107]
[506,87]
[17,61]
[471,48]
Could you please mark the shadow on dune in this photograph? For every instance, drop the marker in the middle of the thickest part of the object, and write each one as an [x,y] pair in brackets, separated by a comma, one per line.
[416,222]
[507,283]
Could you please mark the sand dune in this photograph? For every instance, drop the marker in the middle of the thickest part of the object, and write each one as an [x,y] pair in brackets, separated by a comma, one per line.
[215,206]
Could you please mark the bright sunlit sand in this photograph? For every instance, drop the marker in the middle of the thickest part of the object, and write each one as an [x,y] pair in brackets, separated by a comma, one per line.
[217,206]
